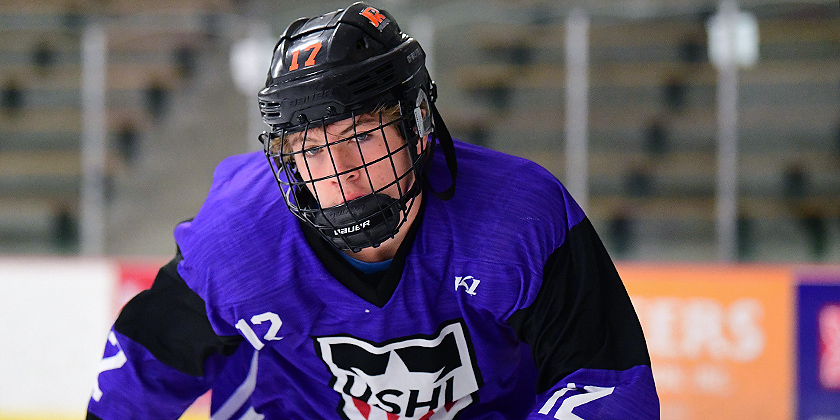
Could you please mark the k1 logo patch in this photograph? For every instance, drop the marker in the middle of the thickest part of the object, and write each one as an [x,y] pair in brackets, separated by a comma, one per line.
[419,377]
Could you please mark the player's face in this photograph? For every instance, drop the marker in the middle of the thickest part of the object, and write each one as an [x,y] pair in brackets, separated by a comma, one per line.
[338,167]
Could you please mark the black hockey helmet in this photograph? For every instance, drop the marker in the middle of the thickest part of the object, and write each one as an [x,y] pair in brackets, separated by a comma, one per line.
[339,66]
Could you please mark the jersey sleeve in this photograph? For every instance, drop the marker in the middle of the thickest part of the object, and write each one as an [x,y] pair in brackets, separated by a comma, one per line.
[161,353]
[585,337]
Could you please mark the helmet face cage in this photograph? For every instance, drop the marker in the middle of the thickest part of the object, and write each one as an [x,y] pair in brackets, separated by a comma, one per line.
[356,222]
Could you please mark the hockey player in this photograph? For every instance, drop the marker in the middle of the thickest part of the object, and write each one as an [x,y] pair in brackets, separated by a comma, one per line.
[371,285]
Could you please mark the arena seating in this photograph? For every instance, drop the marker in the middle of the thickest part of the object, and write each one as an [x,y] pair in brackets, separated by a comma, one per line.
[151,46]
[653,125]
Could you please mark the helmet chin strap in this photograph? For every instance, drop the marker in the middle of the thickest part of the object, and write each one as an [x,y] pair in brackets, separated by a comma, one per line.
[362,222]
[448,146]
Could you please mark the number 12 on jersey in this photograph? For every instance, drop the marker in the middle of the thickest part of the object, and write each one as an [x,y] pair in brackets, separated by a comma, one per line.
[243,326]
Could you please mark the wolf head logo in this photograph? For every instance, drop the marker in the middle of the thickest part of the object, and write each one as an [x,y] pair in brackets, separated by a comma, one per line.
[415,377]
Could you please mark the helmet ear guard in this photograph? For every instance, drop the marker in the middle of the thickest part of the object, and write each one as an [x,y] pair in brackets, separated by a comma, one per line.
[423,115]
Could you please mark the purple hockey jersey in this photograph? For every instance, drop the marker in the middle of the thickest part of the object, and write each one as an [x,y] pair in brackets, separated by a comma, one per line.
[501,304]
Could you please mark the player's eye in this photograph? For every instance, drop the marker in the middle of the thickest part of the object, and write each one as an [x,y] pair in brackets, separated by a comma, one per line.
[313,151]
[363,137]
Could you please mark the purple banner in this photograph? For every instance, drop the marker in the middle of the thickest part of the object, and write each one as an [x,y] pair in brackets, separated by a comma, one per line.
[818,301]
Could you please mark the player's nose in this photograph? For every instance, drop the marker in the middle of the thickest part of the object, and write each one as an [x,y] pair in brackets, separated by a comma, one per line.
[347,161]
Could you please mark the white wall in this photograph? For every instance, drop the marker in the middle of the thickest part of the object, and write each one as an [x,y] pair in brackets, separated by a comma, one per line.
[54,318]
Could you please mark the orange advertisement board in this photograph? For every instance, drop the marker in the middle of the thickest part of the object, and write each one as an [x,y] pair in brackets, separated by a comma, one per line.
[720,338]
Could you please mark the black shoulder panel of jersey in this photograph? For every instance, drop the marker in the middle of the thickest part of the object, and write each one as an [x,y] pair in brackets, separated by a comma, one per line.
[170,320]
[91,416]
[582,316]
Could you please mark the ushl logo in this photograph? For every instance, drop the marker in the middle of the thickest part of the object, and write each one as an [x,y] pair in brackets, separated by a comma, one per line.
[829,350]
[429,378]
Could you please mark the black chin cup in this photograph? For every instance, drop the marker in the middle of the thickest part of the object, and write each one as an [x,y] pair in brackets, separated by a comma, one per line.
[360,223]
